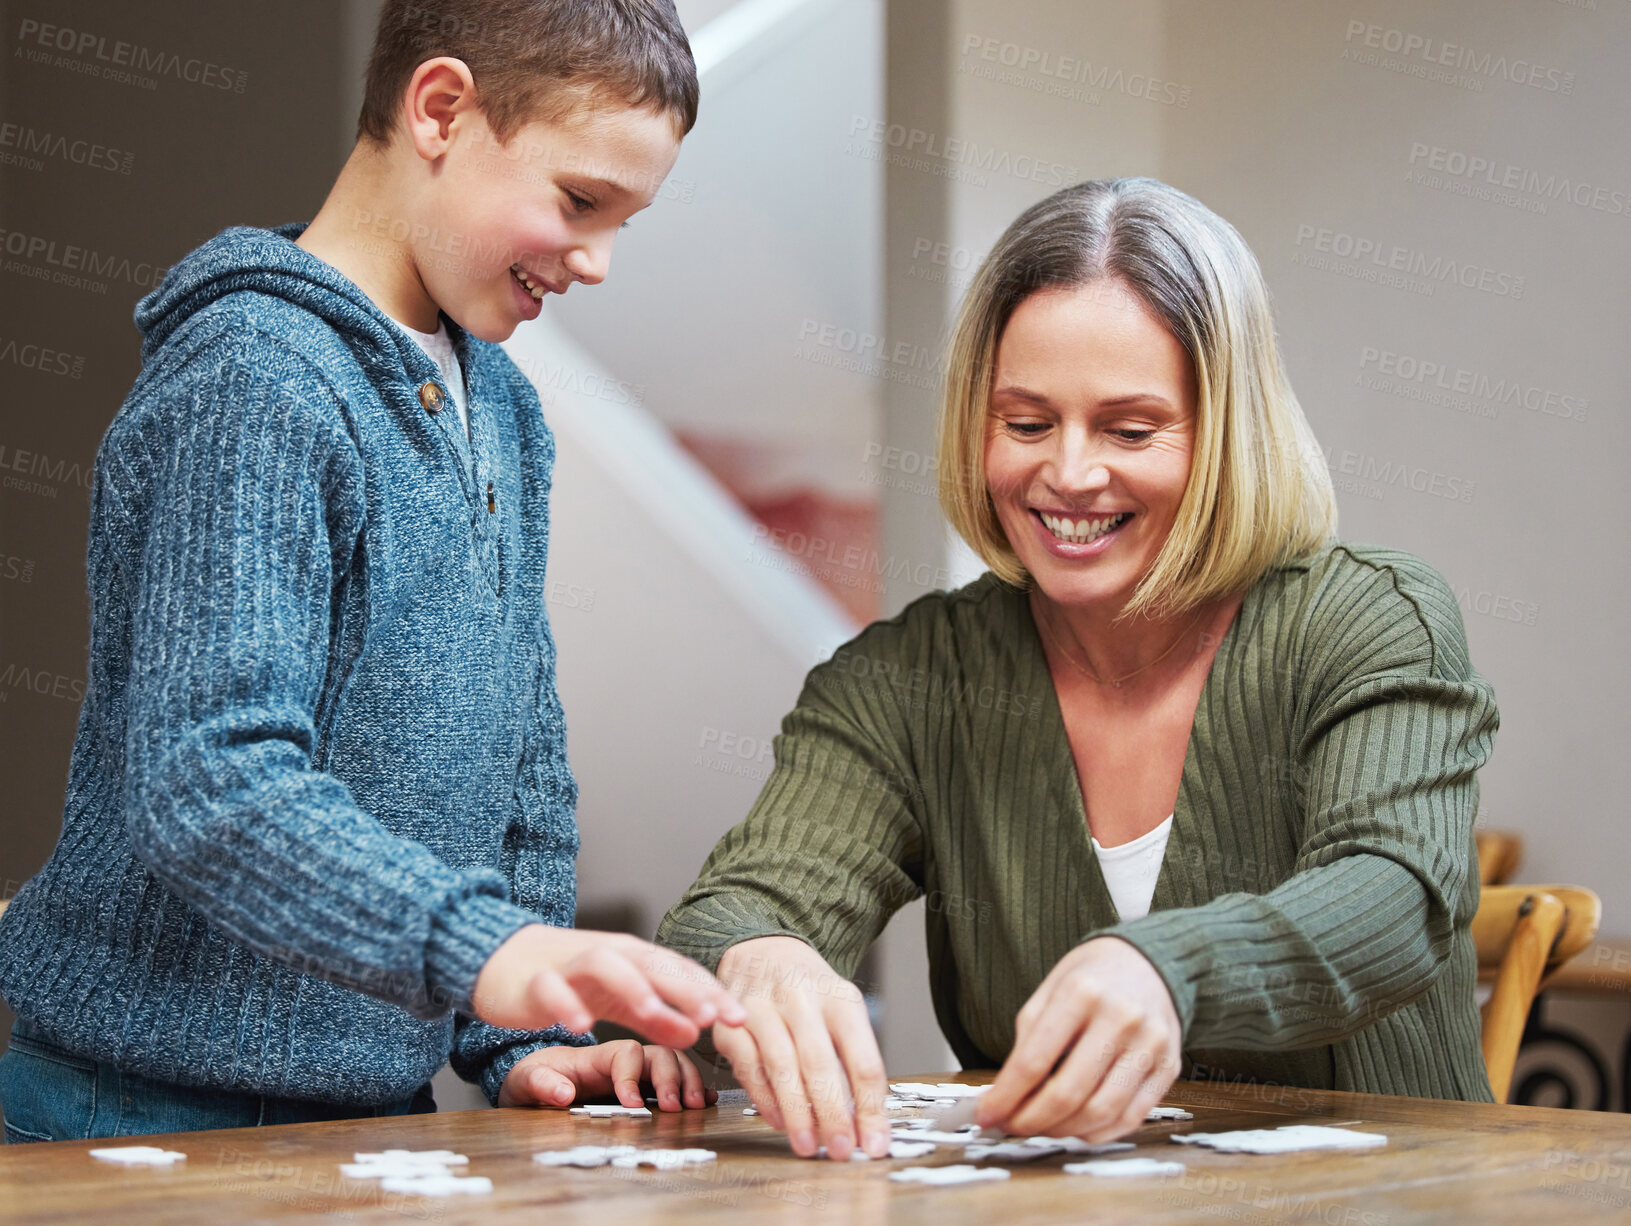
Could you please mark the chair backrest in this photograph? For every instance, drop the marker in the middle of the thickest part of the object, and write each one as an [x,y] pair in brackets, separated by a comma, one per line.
[1523,933]
[1499,853]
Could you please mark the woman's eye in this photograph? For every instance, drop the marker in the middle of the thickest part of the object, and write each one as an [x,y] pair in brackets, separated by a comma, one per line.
[1026,429]
[1132,436]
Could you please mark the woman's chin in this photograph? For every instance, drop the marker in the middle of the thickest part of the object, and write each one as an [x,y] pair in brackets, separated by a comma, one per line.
[1067,585]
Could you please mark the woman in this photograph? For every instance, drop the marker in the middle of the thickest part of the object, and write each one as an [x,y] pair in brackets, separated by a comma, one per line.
[1192,782]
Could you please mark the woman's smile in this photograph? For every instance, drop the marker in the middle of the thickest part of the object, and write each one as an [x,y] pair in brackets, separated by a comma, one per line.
[1089,440]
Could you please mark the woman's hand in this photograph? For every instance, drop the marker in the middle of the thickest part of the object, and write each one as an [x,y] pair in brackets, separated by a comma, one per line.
[806,1048]
[1095,1047]
[560,1076]
[544,976]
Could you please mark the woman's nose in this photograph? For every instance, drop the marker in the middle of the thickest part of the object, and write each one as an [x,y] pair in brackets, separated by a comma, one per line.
[1079,466]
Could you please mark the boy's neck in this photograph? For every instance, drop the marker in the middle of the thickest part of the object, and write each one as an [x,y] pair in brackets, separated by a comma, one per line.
[351,232]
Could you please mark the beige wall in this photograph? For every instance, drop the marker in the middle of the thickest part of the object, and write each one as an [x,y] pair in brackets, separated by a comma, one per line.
[1455,133]
[1274,115]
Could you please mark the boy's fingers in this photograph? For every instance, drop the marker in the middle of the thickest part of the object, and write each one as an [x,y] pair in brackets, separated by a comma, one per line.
[691,989]
[550,1088]
[692,1093]
[624,995]
[553,1000]
[627,1066]
[663,1071]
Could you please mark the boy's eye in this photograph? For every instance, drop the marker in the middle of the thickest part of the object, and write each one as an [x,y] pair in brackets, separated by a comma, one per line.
[580,203]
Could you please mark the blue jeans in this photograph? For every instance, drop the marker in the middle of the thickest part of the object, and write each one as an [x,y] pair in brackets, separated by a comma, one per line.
[50,1094]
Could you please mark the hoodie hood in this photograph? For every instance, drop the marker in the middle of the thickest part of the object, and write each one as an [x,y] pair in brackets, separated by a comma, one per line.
[249,259]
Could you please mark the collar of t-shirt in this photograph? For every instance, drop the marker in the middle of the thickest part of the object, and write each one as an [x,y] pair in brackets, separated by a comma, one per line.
[439,345]
[1130,869]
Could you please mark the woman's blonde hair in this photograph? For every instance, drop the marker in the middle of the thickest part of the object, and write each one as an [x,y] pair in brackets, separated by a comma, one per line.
[1259,493]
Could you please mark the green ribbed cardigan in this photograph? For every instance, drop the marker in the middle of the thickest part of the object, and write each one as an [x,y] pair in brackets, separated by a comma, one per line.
[1311,918]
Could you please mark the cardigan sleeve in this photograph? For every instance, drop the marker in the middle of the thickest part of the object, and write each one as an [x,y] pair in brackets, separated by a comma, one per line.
[257,496]
[1394,726]
[833,846]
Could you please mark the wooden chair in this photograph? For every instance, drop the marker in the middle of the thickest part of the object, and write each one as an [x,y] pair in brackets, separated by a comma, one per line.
[1524,933]
[1499,852]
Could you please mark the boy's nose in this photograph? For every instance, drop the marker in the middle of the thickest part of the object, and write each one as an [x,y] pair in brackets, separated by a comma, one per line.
[589,264]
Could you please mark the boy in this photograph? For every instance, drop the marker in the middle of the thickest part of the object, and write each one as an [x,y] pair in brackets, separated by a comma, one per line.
[321,740]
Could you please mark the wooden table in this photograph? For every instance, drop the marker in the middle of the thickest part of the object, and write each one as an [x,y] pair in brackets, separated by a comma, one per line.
[1444,1162]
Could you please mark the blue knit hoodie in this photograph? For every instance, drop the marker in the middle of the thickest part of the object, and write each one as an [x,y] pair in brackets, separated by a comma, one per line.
[320,772]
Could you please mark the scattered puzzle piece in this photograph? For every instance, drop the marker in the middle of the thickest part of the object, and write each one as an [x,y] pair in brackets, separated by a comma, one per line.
[665,1159]
[1168,1113]
[609,1112]
[933,1134]
[585,1156]
[1286,1140]
[940,1175]
[1075,1145]
[910,1149]
[944,1090]
[424,1157]
[1125,1167]
[391,1170]
[138,1155]
[750,1111]
[439,1185]
[1011,1151]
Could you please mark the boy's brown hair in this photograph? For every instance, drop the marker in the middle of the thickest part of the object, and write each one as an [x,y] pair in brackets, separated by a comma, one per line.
[534,59]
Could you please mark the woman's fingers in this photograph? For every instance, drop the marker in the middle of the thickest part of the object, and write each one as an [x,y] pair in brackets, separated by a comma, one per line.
[826,1087]
[628,1065]
[857,1047]
[741,1049]
[780,1061]
[1063,1094]
[1137,1109]
[1046,1029]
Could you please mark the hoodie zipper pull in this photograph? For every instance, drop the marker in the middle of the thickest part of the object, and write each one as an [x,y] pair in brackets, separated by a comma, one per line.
[492,501]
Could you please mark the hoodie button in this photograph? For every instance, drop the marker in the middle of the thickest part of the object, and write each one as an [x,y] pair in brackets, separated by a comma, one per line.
[430,395]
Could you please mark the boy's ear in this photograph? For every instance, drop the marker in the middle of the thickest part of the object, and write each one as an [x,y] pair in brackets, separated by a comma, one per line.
[439,91]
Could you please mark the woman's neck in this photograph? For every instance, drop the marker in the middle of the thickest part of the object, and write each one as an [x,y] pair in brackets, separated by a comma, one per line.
[1132,651]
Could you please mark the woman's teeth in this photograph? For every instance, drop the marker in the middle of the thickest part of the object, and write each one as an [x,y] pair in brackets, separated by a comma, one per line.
[1081,531]
[527,283]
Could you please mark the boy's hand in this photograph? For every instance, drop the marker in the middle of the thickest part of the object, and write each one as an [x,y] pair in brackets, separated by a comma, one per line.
[543,976]
[561,1076]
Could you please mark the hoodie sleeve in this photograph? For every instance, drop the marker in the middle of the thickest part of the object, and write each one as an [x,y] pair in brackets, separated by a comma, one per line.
[257,497]
[540,849]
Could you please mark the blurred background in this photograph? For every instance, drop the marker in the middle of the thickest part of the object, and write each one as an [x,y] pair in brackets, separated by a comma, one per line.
[1439,192]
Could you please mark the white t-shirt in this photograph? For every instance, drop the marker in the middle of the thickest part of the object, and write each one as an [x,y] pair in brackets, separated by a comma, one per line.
[440,347]
[1130,869]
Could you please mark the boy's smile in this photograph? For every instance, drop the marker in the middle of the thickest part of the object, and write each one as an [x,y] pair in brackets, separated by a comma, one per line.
[483,228]
[541,210]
